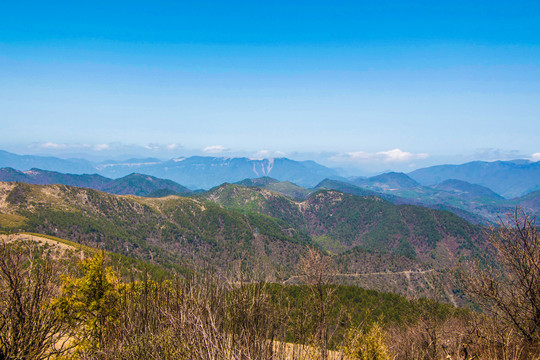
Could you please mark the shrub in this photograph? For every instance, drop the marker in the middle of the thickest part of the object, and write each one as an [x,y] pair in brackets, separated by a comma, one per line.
[366,345]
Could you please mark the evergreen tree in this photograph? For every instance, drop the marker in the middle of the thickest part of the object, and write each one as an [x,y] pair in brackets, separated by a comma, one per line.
[90,303]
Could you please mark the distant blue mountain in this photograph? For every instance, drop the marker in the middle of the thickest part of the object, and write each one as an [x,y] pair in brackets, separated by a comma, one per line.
[387,181]
[467,190]
[507,178]
[194,172]
[27,162]
[205,172]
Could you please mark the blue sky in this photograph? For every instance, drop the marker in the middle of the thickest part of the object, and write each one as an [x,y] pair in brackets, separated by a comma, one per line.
[366,86]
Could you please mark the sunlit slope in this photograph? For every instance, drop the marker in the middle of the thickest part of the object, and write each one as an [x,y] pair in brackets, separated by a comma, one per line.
[341,223]
[170,230]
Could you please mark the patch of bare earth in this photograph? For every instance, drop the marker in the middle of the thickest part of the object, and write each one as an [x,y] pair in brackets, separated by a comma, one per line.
[37,239]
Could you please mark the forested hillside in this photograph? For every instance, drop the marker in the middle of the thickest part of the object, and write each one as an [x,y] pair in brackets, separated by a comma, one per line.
[173,231]
[341,222]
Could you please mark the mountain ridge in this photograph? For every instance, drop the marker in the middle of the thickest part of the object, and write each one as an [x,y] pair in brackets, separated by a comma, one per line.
[508,178]
[194,172]
[475,203]
[134,184]
[340,222]
[167,231]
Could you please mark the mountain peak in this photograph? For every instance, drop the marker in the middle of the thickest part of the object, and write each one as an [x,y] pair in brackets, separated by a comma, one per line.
[387,182]
[260,182]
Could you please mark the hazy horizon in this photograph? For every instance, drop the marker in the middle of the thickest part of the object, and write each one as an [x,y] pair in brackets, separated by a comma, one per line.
[323,159]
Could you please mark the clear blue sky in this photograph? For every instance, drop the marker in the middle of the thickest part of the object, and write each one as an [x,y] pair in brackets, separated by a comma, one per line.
[364,85]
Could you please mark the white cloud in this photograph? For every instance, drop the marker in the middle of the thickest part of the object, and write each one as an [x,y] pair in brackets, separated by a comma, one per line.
[101,147]
[490,154]
[535,156]
[356,155]
[267,154]
[51,145]
[215,149]
[159,147]
[54,146]
[397,155]
[389,156]
[261,154]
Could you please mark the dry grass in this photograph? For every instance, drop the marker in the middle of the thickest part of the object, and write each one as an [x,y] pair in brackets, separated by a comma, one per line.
[11,221]
[288,351]
[37,239]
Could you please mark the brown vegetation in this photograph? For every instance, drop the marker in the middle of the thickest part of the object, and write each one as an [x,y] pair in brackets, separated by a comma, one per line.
[508,288]
[29,328]
[93,314]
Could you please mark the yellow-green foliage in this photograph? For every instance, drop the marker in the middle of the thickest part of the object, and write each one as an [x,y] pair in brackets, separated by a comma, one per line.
[91,302]
[367,345]
[11,221]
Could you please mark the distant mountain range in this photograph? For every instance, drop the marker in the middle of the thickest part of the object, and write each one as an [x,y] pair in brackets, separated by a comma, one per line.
[265,213]
[475,203]
[507,178]
[385,182]
[196,172]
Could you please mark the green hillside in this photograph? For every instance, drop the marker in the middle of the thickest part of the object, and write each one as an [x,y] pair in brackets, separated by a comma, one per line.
[172,231]
[339,222]
[258,200]
[233,226]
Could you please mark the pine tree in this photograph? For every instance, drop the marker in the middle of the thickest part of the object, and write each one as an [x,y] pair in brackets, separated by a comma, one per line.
[90,303]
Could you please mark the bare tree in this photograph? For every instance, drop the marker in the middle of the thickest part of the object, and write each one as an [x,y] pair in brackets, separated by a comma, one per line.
[317,270]
[509,286]
[29,328]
